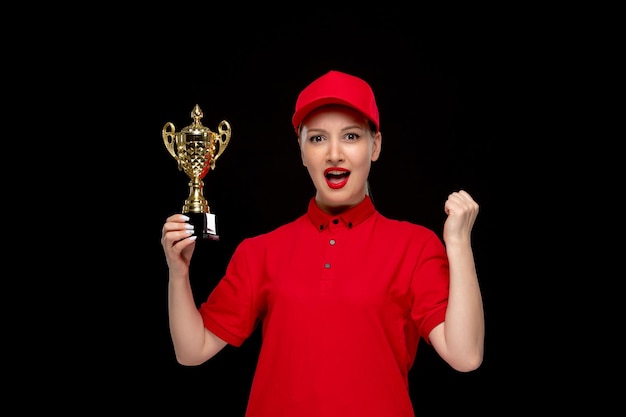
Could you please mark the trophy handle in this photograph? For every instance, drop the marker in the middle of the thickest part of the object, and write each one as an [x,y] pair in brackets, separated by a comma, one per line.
[222,138]
[169,138]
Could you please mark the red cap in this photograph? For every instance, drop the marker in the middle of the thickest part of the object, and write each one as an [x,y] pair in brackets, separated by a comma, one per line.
[336,87]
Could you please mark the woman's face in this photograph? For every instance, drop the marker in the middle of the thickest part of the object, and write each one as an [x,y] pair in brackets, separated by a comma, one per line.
[337,148]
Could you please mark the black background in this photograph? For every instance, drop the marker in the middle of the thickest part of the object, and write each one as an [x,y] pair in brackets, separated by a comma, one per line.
[452,92]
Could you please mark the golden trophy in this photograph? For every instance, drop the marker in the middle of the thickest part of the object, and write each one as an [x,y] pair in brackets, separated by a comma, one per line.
[196,148]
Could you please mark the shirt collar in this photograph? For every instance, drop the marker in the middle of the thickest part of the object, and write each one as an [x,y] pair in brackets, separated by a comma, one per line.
[350,217]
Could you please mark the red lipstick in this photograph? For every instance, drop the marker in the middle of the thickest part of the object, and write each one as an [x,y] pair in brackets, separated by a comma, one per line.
[336,177]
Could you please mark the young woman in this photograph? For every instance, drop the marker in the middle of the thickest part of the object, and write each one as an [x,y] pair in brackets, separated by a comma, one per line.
[342,294]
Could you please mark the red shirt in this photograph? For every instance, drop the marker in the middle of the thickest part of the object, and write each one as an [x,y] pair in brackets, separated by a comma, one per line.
[343,301]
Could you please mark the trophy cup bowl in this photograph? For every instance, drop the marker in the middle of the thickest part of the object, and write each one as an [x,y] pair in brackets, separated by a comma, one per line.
[196,149]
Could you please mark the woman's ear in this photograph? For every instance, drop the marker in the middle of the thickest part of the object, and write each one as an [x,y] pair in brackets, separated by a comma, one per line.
[376,146]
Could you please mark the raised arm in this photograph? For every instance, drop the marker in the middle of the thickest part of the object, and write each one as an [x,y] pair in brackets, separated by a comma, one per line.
[193,343]
[459,340]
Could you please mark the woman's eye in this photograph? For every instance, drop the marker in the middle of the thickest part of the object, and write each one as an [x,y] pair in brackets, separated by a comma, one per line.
[316,138]
[352,136]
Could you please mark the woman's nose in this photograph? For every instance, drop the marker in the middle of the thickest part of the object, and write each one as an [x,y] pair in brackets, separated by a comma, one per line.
[334,150]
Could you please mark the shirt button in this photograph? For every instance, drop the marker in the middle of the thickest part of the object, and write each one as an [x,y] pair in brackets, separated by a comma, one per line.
[327,266]
[332,242]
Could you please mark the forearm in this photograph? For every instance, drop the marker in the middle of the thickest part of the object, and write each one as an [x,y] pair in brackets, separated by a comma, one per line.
[464,323]
[186,326]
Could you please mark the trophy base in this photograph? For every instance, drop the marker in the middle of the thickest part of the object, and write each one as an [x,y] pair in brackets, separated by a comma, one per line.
[203,225]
